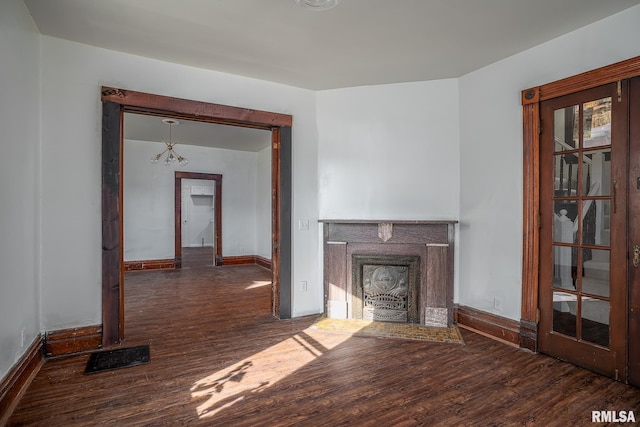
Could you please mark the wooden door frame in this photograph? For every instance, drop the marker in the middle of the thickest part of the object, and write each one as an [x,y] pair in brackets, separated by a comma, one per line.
[115,102]
[531,99]
[217,179]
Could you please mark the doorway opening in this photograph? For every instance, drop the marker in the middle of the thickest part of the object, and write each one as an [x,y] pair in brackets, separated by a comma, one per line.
[580,288]
[202,225]
[115,102]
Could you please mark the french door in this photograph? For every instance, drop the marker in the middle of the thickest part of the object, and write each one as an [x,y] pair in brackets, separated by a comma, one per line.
[583,284]
[633,244]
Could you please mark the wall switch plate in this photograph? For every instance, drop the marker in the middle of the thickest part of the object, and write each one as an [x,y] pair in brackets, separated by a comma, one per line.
[304,286]
[303,224]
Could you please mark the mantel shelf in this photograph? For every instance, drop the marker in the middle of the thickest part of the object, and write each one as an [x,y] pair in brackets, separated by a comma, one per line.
[388,221]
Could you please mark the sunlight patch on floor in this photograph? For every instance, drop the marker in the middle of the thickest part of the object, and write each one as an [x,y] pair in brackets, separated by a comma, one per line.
[254,374]
[259,284]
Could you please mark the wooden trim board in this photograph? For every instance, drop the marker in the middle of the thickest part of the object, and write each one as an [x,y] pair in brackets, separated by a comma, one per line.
[74,340]
[247,260]
[15,383]
[263,262]
[115,102]
[488,324]
[150,264]
[531,99]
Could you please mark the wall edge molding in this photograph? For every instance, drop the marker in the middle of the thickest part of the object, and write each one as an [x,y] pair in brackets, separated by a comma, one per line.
[239,260]
[263,262]
[247,260]
[17,380]
[488,324]
[150,264]
[71,341]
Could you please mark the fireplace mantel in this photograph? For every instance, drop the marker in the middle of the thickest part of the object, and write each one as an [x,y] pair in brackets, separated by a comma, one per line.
[430,240]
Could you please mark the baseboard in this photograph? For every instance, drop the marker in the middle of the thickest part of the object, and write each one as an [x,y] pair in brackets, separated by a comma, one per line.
[529,335]
[239,260]
[247,260]
[150,264]
[75,340]
[488,324]
[263,262]
[17,380]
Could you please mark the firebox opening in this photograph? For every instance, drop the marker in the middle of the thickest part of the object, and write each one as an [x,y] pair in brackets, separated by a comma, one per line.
[387,288]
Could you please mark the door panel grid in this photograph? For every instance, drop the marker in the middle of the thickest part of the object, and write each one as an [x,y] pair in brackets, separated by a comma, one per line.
[582,293]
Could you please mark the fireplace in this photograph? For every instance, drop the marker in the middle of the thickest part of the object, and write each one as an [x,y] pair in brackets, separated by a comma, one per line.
[389,271]
[386,288]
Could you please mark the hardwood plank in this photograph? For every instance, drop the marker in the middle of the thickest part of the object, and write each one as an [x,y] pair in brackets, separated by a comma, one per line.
[218,357]
[197,257]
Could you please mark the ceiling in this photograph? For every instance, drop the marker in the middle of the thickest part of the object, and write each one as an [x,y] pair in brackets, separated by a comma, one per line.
[359,42]
[151,128]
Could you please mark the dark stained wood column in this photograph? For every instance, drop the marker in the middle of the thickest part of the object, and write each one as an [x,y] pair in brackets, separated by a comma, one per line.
[634,232]
[112,272]
[285,208]
[531,214]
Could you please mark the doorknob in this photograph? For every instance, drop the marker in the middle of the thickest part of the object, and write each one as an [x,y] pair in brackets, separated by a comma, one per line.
[636,256]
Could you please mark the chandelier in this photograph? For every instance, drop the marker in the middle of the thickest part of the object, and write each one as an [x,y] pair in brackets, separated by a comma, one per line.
[172,156]
[317,4]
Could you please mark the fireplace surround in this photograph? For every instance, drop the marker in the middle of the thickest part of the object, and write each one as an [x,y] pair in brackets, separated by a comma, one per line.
[394,271]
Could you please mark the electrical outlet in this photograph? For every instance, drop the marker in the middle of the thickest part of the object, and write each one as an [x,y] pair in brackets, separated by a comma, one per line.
[303,224]
[304,286]
[22,338]
[497,303]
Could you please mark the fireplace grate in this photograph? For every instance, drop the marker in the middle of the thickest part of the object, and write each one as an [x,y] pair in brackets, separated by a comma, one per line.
[385,293]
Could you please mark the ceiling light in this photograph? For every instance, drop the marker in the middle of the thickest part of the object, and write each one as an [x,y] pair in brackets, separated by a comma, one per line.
[317,4]
[172,156]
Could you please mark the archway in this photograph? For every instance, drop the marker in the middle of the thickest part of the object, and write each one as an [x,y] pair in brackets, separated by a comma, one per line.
[115,102]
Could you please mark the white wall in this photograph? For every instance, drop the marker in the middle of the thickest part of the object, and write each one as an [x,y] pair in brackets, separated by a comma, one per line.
[19,182]
[389,152]
[263,204]
[490,263]
[149,201]
[71,127]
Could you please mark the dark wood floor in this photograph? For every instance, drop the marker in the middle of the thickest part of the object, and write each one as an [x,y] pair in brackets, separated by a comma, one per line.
[219,358]
[197,257]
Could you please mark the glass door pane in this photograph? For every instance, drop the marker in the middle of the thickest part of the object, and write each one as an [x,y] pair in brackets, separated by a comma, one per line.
[581,221]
